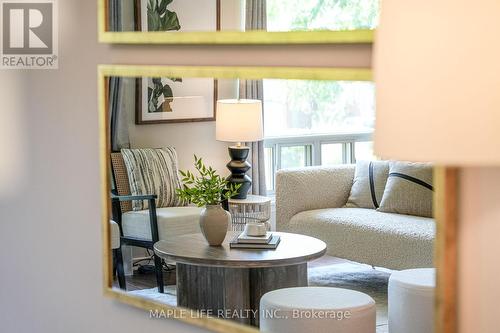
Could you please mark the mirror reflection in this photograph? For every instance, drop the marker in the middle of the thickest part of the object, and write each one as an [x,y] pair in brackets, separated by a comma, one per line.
[240,15]
[261,202]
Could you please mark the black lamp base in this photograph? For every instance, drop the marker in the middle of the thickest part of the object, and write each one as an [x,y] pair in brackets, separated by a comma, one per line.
[239,167]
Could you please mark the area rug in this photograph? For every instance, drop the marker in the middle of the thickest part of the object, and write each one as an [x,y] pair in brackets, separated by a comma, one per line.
[169,297]
[347,275]
[358,277]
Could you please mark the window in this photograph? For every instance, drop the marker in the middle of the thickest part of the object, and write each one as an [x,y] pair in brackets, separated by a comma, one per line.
[300,107]
[322,14]
[332,153]
[310,123]
[364,151]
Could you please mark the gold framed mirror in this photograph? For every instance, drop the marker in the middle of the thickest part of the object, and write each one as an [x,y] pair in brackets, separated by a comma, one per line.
[444,182]
[236,21]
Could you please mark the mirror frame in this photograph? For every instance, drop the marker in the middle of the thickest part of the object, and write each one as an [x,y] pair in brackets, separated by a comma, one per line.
[363,36]
[445,195]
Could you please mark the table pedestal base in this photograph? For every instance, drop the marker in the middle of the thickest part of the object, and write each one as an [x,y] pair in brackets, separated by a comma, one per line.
[233,293]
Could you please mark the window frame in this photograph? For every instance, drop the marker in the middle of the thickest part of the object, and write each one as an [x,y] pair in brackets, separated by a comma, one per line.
[315,141]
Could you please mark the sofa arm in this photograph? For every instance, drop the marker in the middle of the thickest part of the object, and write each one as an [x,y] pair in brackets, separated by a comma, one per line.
[298,190]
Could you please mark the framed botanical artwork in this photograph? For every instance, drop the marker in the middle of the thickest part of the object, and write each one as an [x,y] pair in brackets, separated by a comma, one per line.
[176,15]
[175,100]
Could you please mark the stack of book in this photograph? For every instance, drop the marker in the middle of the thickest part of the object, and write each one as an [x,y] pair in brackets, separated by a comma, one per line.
[243,241]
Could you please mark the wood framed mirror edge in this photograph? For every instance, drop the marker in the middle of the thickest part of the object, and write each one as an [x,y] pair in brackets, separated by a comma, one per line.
[445,249]
[362,36]
[445,198]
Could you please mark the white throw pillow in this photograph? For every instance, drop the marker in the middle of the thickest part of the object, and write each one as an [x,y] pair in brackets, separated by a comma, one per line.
[409,189]
[369,184]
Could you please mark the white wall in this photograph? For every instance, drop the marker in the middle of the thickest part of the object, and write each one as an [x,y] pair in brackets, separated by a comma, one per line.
[50,233]
[13,143]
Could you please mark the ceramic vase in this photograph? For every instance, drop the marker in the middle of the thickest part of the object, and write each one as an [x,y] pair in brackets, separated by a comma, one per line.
[214,222]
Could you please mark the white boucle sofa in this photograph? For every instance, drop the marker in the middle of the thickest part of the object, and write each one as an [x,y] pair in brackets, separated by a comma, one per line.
[310,201]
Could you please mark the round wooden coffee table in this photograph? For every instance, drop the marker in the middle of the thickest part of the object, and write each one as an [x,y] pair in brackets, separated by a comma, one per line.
[230,282]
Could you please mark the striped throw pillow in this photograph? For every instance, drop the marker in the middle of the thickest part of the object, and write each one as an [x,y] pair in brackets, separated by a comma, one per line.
[369,184]
[409,189]
[153,171]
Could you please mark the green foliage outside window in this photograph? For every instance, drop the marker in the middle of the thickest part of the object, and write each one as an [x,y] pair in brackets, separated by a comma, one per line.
[293,15]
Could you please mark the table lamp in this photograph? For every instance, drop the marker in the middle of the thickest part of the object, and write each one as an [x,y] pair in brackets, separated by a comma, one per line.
[239,120]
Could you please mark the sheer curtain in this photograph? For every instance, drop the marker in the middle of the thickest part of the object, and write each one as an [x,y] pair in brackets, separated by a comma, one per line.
[255,15]
[255,19]
[118,125]
[114,13]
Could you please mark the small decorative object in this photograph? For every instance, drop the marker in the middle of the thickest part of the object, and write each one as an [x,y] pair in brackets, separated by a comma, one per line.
[174,100]
[239,120]
[255,229]
[208,190]
[256,236]
[214,221]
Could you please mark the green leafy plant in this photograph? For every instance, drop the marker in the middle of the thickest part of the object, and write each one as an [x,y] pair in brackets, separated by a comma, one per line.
[160,18]
[207,189]
[160,95]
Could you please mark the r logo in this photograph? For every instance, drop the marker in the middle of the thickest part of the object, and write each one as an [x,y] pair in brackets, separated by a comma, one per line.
[27,28]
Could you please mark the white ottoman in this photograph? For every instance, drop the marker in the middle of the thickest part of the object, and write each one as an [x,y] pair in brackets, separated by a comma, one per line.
[411,301]
[317,309]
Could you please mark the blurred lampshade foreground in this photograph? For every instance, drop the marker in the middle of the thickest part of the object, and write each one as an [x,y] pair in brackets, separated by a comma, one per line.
[437,73]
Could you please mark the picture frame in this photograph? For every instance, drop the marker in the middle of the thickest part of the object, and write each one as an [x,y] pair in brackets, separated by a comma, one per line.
[196,101]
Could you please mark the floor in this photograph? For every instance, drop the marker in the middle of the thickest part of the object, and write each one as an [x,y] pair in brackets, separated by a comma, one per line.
[147,280]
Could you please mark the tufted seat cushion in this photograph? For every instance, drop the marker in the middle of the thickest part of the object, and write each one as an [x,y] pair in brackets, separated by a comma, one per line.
[365,235]
[172,221]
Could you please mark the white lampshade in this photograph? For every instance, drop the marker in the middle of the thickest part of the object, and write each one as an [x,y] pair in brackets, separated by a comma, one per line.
[437,73]
[239,120]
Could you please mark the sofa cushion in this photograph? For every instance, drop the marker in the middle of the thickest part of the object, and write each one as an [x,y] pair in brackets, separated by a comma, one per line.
[172,221]
[368,184]
[365,235]
[409,189]
[153,171]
